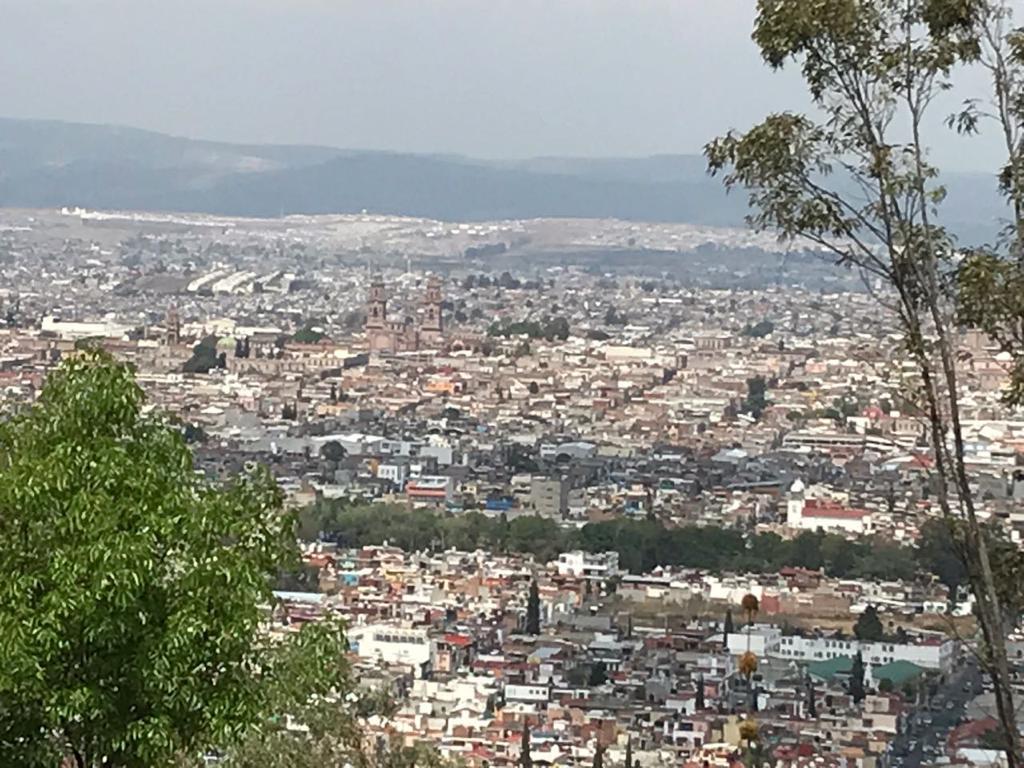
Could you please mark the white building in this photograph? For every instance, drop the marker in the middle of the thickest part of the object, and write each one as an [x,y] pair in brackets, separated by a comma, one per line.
[69,330]
[452,699]
[768,642]
[588,565]
[396,473]
[443,454]
[392,645]
[811,514]
[763,641]
[535,694]
[731,589]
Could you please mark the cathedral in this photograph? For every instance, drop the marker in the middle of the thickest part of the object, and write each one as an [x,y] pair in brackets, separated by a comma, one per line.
[391,336]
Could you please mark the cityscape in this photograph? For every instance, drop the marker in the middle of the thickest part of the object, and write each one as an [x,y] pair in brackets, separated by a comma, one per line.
[651,455]
[323,458]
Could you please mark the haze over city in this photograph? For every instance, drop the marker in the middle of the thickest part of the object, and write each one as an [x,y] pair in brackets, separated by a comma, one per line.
[496,79]
[511,384]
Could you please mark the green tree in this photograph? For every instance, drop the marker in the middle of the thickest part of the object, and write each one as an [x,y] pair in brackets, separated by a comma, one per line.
[1008,571]
[535,535]
[578,676]
[885,560]
[991,279]
[760,330]
[869,627]
[533,610]
[756,400]
[332,450]
[806,550]
[598,674]
[130,611]
[640,544]
[333,736]
[204,357]
[768,551]
[557,329]
[857,678]
[839,556]
[858,184]
[937,553]
[307,335]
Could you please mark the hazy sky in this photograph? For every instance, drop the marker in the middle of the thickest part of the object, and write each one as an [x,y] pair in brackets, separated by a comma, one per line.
[493,78]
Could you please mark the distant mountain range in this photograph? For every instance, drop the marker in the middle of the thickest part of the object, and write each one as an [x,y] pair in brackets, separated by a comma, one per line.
[45,164]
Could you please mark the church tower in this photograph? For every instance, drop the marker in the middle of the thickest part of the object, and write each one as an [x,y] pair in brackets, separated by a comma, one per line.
[795,501]
[172,328]
[432,330]
[377,306]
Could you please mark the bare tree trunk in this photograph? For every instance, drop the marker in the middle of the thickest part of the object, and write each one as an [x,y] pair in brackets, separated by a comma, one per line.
[978,562]
[868,76]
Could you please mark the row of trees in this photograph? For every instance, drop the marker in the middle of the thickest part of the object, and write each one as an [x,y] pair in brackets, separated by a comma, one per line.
[551,329]
[505,281]
[642,544]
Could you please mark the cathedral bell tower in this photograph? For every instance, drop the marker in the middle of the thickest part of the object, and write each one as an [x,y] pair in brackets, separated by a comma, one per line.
[172,326]
[432,329]
[377,305]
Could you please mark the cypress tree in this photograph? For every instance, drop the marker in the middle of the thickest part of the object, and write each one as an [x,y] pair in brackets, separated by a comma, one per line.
[525,761]
[533,610]
[857,678]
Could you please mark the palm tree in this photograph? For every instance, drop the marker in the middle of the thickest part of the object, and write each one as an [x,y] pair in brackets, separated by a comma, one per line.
[748,731]
[748,662]
[750,606]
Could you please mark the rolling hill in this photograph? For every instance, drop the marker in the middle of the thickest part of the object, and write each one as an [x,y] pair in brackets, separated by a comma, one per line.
[46,164]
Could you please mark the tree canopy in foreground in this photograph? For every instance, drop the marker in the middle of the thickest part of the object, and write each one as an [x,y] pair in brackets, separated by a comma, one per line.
[135,593]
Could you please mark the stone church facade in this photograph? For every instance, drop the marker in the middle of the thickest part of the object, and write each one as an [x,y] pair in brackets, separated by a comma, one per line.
[390,336]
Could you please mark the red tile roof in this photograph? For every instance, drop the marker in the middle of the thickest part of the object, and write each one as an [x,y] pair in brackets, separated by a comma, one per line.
[830,509]
[459,640]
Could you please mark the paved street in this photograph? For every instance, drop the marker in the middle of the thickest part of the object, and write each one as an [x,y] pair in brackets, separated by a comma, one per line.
[927,728]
